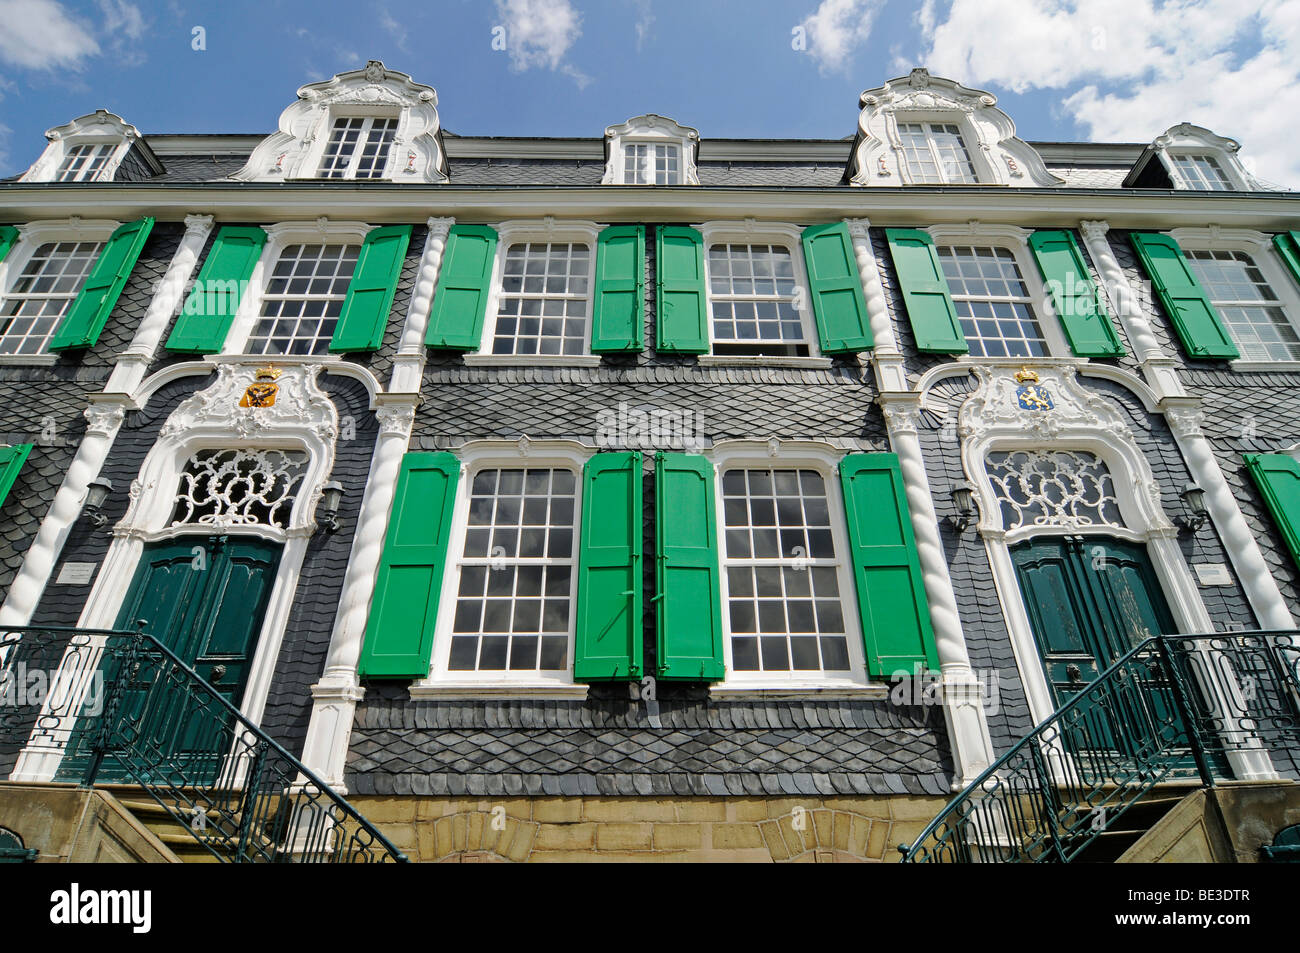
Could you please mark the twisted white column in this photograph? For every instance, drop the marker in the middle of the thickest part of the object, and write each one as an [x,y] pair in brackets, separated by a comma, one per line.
[886,358]
[1243,550]
[409,363]
[968,731]
[103,421]
[131,366]
[335,696]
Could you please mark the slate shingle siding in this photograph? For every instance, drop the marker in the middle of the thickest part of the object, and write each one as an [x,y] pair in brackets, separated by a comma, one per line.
[607,744]
[41,406]
[133,167]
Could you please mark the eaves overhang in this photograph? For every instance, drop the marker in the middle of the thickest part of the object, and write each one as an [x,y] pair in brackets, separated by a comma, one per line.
[912,205]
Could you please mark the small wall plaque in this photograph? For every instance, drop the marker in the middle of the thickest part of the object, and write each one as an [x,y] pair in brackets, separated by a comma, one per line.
[1213,574]
[76,574]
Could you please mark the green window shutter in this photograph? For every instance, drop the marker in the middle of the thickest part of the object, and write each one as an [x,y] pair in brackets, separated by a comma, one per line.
[464,283]
[609,624]
[11,461]
[1197,322]
[80,327]
[210,308]
[891,593]
[1078,303]
[8,235]
[404,610]
[836,289]
[687,601]
[681,317]
[925,292]
[616,314]
[364,316]
[1287,245]
[1278,478]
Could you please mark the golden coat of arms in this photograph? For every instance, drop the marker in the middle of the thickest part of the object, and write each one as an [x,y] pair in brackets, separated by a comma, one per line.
[1031,395]
[262,392]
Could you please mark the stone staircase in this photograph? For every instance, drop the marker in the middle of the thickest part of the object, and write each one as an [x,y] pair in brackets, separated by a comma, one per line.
[1130,826]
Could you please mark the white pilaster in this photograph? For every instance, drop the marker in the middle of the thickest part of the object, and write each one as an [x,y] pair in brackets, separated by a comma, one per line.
[335,696]
[408,366]
[104,418]
[886,358]
[134,362]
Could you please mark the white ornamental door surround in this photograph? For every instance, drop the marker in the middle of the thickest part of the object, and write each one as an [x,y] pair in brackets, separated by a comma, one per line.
[1116,491]
[290,443]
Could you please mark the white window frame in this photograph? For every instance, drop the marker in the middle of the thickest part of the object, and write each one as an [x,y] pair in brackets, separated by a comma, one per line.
[791,238]
[652,170]
[1259,247]
[97,128]
[523,231]
[354,159]
[309,167]
[480,455]
[793,455]
[31,237]
[279,237]
[105,173]
[984,175]
[1015,240]
[1180,176]
[1186,139]
[650,130]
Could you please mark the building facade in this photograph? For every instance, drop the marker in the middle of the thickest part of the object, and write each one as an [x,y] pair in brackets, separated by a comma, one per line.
[645,496]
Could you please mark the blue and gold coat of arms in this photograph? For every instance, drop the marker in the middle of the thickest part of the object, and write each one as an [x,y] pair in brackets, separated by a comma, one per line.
[1031,395]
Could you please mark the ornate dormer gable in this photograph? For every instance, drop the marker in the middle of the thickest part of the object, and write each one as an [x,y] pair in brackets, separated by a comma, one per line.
[1196,159]
[371,124]
[922,129]
[90,149]
[651,150]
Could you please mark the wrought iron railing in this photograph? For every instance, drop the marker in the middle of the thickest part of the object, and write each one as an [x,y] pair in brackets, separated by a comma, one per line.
[100,706]
[1195,707]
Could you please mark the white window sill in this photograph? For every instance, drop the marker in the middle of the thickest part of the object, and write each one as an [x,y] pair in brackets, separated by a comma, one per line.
[762,360]
[532,360]
[804,690]
[469,691]
[1247,366]
[30,360]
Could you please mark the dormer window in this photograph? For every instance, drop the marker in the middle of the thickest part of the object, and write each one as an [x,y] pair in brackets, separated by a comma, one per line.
[936,152]
[650,150]
[374,124]
[1201,172]
[358,148]
[84,163]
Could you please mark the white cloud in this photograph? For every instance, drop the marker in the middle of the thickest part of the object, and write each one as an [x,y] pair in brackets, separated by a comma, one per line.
[40,34]
[121,16]
[394,29]
[645,19]
[1129,69]
[539,33]
[836,29]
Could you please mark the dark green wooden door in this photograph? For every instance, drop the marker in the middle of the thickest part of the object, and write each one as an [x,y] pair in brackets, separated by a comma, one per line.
[204,598]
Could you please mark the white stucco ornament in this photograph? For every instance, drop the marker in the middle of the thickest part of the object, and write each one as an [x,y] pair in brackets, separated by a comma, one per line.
[295,150]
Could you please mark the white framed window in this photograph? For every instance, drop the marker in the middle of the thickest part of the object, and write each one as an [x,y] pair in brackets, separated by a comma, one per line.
[936,152]
[788,599]
[540,306]
[754,276]
[509,598]
[997,291]
[544,306]
[1250,287]
[84,162]
[1201,172]
[651,150]
[650,163]
[303,299]
[296,291]
[358,147]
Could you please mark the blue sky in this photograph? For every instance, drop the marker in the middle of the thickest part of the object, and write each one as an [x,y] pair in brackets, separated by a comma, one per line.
[1064,69]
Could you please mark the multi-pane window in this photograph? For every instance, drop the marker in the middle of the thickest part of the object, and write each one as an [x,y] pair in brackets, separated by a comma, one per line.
[647,163]
[358,148]
[936,152]
[515,590]
[84,163]
[303,299]
[1253,314]
[1202,172]
[43,293]
[992,302]
[783,593]
[543,306]
[752,291]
